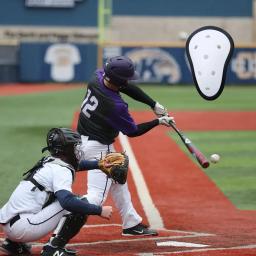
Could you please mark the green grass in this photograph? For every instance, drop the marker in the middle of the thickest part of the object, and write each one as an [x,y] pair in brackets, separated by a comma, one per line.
[25,120]
[233,98]
[235,173]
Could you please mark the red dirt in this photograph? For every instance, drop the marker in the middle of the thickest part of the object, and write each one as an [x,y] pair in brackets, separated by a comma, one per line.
[17,89]
[208,121]
[186,198]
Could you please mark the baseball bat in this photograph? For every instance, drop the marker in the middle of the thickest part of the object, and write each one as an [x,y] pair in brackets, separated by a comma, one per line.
[196,153]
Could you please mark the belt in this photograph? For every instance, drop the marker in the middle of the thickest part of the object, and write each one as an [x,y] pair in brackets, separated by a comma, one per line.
[14,219]
[100,141]
[91,138]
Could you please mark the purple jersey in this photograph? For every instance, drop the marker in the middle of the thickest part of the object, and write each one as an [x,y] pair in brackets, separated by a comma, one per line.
[104,113]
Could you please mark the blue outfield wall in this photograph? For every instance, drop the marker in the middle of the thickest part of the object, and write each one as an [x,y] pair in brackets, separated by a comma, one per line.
[84,12]
[14,12]
[196,8]
[44,62]
[169,64]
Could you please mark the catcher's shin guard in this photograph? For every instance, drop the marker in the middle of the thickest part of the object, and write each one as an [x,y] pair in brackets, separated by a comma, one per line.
[67,228]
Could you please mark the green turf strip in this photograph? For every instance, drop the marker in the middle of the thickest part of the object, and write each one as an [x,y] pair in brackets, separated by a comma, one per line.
[233,98]
[235,173]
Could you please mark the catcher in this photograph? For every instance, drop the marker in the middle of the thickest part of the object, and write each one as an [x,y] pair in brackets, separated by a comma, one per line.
[43,201]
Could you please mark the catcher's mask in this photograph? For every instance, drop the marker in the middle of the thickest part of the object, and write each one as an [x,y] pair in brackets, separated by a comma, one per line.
[209,50]
[119,70]
[64,142]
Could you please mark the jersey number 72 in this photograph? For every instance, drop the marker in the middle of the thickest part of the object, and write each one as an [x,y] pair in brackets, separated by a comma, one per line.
[89,104]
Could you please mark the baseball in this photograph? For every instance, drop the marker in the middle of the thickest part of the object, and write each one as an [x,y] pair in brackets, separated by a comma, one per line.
[215,158]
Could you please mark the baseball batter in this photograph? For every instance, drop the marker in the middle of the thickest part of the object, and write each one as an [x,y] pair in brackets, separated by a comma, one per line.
[103,115]
[44,201]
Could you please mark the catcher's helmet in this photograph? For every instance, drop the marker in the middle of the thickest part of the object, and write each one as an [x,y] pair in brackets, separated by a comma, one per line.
[118,70]
[61,140]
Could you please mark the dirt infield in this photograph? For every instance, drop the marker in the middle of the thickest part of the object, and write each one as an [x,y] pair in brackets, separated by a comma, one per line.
[16,89]
[196,217]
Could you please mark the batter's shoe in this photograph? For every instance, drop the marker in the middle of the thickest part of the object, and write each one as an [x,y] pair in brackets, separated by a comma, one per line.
[15,248]
[49,250]
[139,230]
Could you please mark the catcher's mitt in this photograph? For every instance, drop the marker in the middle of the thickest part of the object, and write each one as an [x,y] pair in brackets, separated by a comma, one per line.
[115,166]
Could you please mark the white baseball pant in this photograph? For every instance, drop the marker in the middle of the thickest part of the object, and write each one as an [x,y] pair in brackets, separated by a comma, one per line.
[31,227]
[98,185]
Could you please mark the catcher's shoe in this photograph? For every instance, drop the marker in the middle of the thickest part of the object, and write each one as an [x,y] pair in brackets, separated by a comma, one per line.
[139,230]
[15,248]
[49,250]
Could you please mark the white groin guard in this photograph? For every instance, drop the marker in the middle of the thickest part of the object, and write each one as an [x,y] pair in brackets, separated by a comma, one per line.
[209,50]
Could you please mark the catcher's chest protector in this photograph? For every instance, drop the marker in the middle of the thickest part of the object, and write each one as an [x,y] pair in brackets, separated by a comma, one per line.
[29,175]
[209,50]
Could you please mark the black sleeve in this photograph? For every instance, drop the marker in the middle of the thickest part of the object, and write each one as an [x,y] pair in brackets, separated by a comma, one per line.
[144,127]
[87,165]
[136,93]
[71,203]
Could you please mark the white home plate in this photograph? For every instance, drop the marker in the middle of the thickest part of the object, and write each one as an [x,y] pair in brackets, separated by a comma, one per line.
[180,244]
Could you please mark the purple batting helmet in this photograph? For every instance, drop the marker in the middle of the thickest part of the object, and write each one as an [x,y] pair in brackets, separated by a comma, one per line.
[118,70]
